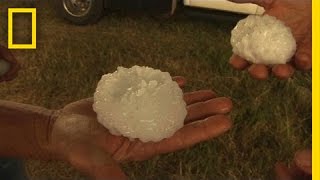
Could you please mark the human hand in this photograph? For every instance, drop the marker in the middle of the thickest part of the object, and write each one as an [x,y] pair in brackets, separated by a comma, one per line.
[301,168]
[297,16]
[7,57]
[88,146]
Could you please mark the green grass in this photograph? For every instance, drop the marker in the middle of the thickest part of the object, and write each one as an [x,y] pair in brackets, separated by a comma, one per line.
[272,119]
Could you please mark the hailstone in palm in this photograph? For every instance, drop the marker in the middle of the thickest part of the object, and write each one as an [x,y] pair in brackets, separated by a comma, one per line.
[140,103]
[263,40]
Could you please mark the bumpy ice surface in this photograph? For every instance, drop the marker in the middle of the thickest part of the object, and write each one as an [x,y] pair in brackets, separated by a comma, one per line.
[4,67]
[263,40]
[140,102]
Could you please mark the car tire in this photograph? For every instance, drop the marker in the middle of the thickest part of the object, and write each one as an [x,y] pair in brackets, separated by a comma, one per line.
[78,11]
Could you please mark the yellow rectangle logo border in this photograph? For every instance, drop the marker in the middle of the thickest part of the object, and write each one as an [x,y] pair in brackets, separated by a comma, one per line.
[33,12]
[315,90]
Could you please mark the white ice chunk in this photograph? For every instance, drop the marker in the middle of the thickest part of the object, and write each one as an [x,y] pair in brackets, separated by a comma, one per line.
[263,40]
[140,102]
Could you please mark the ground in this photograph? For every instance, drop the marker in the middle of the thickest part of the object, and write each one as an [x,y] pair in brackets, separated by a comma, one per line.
[272,119]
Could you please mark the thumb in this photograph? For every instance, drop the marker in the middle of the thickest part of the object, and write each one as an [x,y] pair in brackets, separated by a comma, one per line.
[180,80]
[96,163]
[303,160]
[264,3]
[303,56]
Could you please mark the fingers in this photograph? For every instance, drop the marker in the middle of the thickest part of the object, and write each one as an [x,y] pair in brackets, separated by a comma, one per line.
[180,80]
[259,71]
[198,96]
[238,63]
[303,60]
[303,159]
[283,71]
[263,3]
[194,133]
[291,172]
[205,109]
[300,169]
[303,57]
[282,172]
[187,136]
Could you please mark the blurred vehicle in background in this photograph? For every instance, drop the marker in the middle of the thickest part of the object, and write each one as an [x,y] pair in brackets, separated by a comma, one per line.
[89,11]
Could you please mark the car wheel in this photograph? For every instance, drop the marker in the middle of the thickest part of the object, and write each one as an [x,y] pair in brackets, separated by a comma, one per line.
[80,12]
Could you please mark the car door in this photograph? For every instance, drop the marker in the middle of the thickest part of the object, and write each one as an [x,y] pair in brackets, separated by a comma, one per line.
[225,5]
[154,6]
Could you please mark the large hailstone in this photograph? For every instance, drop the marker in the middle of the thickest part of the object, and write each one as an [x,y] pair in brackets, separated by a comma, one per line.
[263,40]
[140,102]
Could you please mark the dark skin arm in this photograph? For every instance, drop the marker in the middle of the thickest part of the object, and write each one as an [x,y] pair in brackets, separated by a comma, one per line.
[73,134]
[25,131]
[295,14]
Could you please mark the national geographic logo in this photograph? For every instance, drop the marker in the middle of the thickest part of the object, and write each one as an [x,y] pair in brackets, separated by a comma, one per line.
[33,25]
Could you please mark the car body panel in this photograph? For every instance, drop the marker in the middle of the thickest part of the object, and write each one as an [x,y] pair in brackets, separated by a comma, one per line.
[155,6]
[225,5]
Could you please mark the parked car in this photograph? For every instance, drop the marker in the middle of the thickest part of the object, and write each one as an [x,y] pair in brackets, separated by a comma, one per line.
[89,11]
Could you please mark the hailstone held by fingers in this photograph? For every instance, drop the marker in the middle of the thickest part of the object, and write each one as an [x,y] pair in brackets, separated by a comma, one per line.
[140,103]
[263,40]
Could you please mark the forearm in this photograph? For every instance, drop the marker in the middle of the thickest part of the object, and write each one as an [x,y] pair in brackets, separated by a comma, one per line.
[25,131]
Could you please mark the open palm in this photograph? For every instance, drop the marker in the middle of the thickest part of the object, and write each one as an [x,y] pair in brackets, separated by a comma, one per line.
[87,145]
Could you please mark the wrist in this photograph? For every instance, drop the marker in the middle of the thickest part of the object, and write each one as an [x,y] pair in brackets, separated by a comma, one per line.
[43,133]
[25,131]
